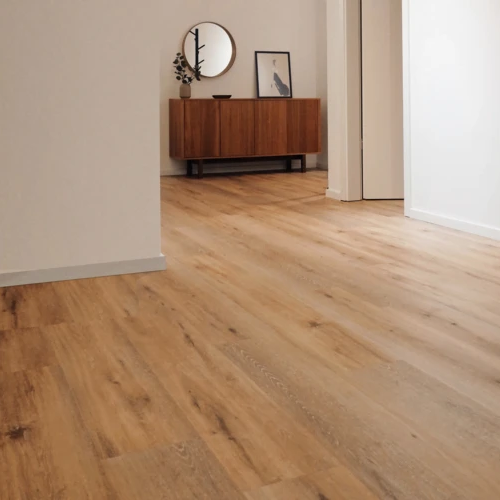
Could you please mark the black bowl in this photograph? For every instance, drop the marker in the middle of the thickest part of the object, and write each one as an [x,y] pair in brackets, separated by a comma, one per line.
[222,96]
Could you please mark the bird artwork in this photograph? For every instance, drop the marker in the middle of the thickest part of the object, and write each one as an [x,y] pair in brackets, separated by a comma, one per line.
[281,87]
[274,76]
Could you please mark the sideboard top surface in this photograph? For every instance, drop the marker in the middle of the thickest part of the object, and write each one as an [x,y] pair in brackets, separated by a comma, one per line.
[249,99]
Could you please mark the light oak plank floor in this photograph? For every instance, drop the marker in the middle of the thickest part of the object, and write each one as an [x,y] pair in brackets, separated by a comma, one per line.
[296,348]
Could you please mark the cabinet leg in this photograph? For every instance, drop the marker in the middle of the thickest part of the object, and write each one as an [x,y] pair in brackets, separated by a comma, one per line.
[189,172]
[200,169]
[303,163]
[288,164]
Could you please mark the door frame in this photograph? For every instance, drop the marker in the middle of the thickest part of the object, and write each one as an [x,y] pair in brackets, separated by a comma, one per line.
[345,167]
[344,99]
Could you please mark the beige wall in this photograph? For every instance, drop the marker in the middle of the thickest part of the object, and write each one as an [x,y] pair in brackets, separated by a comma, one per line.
[79,141]
[282,25]
[382,89]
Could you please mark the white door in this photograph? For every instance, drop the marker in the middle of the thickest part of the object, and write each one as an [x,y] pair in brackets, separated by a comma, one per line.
[382,94]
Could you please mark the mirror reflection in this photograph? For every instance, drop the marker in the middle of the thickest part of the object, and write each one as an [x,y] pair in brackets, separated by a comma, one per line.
[209,49]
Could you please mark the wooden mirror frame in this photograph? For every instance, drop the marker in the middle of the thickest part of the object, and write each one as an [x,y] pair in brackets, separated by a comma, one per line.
[233,45]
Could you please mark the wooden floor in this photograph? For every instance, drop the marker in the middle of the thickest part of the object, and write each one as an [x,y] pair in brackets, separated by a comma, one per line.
[296,348]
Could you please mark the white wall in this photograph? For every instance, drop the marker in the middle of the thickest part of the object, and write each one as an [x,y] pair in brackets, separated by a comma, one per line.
[452,110]
[281,25]
[79,138]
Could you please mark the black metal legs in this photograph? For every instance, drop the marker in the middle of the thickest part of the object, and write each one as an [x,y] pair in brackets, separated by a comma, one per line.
[199,164]
[200,169]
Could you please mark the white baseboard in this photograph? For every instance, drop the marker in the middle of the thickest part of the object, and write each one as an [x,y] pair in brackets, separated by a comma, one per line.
[174,170]
[82,272]
[442,220]
[334,194]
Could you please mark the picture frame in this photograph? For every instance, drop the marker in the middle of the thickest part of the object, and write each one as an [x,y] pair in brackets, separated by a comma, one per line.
[274,75]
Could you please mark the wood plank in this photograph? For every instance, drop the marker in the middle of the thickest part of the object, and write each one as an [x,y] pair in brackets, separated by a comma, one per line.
[468,430]
[179,472]
[44,450]
[270,128]
[24,349]
[360,432]
[215,397]
[197,314]
[31,306]
[303,126]
[337,484]
[237,128]
[122,403]
[68,301]
[202,129]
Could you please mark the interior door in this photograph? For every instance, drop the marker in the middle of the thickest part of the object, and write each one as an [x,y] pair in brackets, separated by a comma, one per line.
[382,95]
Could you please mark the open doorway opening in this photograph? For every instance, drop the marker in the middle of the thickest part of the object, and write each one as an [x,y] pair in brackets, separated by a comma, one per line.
[382,99]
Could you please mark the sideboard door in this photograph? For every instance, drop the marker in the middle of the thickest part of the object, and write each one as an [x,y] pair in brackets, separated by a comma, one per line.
[270,128]
[202,128]
[303,121]
[237,128]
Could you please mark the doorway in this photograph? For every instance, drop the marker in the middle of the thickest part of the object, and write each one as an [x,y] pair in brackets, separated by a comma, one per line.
[382,99]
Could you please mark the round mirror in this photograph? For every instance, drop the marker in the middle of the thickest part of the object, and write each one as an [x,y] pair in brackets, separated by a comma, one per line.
[210,49]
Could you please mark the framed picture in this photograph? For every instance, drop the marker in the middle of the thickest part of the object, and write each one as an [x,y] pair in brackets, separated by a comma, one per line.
[274,74]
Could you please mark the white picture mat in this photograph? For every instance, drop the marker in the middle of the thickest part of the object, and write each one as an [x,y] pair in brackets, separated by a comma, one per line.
[268,65]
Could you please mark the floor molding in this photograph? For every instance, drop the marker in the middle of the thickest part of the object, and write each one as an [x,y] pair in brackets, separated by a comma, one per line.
[334,194]
[82,272]
[442,220]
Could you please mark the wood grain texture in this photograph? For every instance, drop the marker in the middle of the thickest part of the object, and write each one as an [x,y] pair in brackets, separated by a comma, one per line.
[44,451]
[296,348]
[24,349]
[180,472]
[336,484]
[243,128]
[119,384]
[202,129]
[176,128]
[271,128]
[68,301]
[303,126]
[243,437]
[237,128]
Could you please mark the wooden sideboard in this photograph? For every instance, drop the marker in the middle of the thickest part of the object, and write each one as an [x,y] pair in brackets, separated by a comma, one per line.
[213,129]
